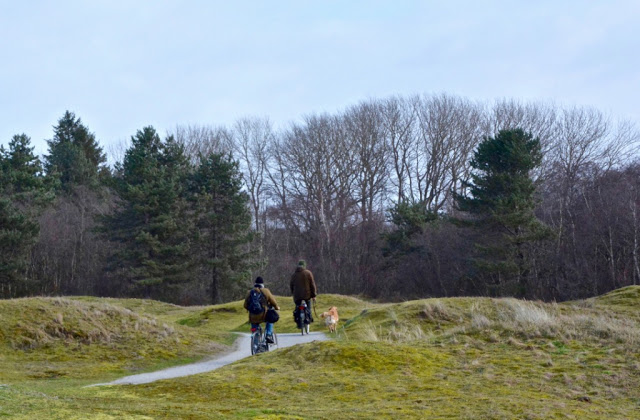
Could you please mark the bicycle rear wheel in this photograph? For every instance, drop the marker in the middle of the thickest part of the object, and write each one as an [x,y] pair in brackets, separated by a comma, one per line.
[301,318]
[255,343]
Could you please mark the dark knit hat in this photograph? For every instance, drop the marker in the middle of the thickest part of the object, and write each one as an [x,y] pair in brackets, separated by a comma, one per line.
[302,263]
[259,280]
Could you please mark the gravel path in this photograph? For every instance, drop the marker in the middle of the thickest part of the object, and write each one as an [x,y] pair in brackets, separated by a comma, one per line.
[241,350]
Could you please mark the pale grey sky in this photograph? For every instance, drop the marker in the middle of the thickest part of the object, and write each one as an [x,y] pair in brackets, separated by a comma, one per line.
[122,65]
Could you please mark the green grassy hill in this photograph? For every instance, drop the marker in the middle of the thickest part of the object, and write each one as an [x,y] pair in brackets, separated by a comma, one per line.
[46,338]
[432,358]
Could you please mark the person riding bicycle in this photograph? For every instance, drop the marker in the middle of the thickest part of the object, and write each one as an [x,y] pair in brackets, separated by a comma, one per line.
[303,287]
[265,300]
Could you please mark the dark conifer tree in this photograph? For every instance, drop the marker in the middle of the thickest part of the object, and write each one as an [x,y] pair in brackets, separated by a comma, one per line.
[23,194]
[151,224]
[409,220]
[74,154]
[222,224]
[502,204]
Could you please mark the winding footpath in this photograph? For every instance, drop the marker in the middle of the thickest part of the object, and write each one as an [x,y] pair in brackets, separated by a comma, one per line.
[241,350]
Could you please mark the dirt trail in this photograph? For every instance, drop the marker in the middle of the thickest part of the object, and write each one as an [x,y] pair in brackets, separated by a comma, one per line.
[241,350]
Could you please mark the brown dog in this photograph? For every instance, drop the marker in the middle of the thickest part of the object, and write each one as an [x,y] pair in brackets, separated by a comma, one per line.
[331,318]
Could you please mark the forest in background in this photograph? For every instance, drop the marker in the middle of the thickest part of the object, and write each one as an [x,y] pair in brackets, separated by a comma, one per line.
[390,198]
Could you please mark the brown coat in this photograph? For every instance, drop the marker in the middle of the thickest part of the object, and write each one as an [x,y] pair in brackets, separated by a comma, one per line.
[302,285]
[271,301]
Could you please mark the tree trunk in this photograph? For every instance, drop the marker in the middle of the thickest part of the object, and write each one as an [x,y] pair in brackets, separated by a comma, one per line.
[612,264]
[636,266]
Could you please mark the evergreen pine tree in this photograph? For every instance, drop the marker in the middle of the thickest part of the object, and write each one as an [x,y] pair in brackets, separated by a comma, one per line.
[151,222]
[409,220]
[502,204]
[222,223]
[23,194]
[74,155]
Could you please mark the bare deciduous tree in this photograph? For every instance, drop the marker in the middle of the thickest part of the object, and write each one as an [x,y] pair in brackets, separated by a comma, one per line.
[202,140]
[447,133]
[251,138]
[399,120]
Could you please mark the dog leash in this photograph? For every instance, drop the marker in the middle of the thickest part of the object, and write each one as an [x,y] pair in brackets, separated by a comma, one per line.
[314,308]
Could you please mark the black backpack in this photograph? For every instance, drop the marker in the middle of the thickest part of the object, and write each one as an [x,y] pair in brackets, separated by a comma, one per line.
[255,302]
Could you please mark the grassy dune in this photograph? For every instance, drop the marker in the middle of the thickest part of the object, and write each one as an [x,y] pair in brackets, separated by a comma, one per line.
[432,358]
[77,339]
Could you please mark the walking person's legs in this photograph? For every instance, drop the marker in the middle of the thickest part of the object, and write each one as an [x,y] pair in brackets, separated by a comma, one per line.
[309,316]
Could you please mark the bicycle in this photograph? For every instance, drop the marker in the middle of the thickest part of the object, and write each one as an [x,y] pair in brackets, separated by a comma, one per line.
[259,341]
[301,317]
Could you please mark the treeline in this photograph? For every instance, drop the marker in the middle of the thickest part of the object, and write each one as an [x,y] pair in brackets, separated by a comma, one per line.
[378,198]
[159,224]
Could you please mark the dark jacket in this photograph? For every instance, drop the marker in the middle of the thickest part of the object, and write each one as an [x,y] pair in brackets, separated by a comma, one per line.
[302,285]
[269,300]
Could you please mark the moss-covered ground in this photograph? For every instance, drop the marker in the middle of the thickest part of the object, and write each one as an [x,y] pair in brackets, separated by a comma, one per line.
[432,358]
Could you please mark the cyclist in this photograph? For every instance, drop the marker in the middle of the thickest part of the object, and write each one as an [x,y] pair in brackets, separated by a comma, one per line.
[266,300]
[303,287]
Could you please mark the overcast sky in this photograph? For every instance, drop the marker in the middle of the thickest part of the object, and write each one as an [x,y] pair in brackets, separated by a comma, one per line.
[123,65]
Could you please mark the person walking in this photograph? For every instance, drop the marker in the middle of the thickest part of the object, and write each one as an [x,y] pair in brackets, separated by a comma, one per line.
[303,287]
[259,299]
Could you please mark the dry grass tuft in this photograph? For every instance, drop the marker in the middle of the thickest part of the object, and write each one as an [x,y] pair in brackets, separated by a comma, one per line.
[436,311]
[525,314]
[406,333]
[370,333]
[601,326]
[480,322]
